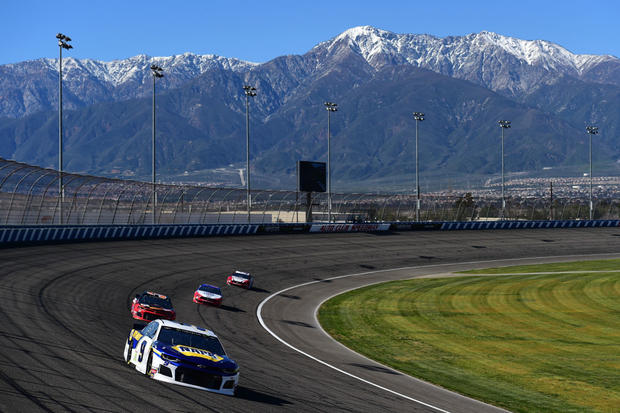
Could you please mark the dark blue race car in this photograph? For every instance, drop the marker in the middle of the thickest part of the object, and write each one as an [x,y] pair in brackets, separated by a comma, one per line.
[182,354]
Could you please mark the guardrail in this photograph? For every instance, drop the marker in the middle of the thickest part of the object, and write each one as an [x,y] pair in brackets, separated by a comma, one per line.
[12,235]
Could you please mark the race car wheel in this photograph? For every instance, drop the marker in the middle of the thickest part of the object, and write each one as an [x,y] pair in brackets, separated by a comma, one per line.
[148,364]
[126,355]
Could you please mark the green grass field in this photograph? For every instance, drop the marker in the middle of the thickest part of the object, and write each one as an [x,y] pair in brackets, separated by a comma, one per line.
[528,343]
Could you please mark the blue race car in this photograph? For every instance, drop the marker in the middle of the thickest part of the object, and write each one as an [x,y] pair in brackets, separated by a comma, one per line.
[182,354]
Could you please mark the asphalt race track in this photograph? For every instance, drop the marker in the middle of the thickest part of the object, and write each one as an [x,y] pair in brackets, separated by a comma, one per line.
[65,316]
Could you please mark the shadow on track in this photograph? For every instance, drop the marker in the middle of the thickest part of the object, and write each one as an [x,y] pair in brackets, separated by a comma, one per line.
[231,309]
[376,368]
[297,323]
[252,395]
[292,297]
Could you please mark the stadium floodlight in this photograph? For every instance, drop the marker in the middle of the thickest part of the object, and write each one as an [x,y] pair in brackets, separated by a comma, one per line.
[157,74]
[504,124]
[62,44]
[330,107]
[250,92]
[591,130]
[157,71]
[419,117]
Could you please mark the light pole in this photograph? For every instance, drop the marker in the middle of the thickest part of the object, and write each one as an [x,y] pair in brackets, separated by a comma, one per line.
[63,43]
[591,130]
[157,73]
[250,91]
[419,117]
[504,124]
[331,107]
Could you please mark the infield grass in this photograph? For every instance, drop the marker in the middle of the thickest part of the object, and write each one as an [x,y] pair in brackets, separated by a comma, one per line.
[529,343]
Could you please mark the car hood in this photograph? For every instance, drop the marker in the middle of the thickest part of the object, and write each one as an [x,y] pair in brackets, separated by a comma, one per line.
[239,279]
[154,307]
[195,355]
[207,294]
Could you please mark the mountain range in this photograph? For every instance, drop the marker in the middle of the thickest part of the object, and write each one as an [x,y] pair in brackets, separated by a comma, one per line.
[464,85]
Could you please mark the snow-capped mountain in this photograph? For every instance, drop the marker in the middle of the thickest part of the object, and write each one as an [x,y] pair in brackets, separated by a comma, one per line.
[501,63]
[118,72]
[464,84]
[507,65]
[32,86]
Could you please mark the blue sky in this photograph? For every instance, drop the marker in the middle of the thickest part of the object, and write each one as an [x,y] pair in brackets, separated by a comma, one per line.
[261,30]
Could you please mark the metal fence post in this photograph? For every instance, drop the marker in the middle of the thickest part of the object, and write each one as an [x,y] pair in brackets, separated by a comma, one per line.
[191,203]
[29,199]
[73,201]
[9,210]
[206,207]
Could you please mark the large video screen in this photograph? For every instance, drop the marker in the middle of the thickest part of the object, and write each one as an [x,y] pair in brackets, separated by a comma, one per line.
[311,176]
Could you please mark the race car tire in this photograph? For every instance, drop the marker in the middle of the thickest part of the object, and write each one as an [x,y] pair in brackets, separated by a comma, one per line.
[148,364]
[126,355]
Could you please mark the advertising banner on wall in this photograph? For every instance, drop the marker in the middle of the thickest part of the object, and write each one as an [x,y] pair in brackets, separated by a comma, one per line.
[349,227]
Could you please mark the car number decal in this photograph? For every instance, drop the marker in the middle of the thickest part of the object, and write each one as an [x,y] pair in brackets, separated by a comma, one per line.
[141,353]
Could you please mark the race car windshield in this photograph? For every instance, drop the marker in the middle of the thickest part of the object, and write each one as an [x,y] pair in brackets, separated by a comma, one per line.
[244,276]
[186,338]
[156,301]
[210,289]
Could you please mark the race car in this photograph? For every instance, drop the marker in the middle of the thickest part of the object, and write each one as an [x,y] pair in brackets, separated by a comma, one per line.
[241,279]
[208,294]
[182,354]
[150,306]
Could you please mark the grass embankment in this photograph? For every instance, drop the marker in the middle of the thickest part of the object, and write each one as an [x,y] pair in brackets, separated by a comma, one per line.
[529,343]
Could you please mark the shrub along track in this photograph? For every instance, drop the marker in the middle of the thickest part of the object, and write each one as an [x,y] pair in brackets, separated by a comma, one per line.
[65,314]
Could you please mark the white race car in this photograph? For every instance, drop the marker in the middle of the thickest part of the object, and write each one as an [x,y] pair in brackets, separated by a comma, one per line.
[182,354]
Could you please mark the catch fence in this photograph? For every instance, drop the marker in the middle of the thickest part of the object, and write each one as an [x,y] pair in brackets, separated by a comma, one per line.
[30,195]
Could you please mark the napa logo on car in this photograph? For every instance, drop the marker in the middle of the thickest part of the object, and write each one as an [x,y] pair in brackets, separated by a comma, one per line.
[196,352]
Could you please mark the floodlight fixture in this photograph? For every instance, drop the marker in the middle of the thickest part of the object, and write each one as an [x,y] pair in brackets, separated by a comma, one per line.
[157,71]
[249,90]
[331,106]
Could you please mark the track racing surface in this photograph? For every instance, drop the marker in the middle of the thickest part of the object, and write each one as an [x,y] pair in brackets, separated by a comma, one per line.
[65,316]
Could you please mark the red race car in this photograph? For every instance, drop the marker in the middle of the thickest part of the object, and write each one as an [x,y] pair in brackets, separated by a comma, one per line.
[241,279]
[151,306]
[208,294]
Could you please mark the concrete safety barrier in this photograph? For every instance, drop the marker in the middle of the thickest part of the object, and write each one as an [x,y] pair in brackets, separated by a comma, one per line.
[36,234]
[528,224]
[59,233]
